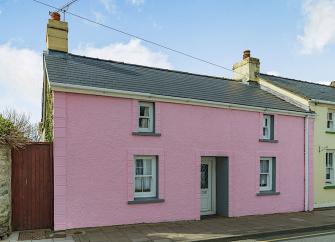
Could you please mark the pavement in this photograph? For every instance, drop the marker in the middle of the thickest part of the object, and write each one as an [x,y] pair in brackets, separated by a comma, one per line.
[214,228]
[15,235]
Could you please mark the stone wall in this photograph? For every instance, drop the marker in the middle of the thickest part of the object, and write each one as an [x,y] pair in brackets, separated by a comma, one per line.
[5,191]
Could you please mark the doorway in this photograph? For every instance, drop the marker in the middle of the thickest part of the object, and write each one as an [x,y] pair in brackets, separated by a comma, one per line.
[214,185]
[208,186]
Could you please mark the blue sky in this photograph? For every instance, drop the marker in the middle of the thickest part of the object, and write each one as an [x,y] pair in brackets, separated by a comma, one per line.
[291,38]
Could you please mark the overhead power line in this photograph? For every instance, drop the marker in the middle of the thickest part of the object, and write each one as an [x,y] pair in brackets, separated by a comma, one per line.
[65,7]
[140,38]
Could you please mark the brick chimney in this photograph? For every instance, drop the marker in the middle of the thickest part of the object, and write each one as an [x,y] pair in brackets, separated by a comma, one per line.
[57,33]
[247,69]
[332,84]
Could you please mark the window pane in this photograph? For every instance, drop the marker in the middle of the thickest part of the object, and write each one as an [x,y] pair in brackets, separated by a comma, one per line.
[204,176]
[138,184]
[264,166]
[265,132]
[330,116]
[263,180]
[144,111]
[147,184]
[144,122]
[147,168]
[139,167]
[328,174]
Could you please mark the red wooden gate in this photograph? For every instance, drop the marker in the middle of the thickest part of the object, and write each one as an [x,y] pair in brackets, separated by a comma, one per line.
[32,187]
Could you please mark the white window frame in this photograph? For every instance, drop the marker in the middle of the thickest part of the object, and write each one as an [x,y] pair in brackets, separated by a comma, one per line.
[270,174]
[332,120]
[267,125]
[153,192]
[330,181]
[150,117]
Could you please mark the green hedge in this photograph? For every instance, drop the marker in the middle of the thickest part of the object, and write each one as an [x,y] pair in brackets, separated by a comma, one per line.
[48,122]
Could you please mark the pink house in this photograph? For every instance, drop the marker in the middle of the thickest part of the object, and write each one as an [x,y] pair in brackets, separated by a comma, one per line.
[134,144]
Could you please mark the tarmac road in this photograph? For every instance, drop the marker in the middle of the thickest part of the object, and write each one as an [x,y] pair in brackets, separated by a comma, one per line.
[312,236]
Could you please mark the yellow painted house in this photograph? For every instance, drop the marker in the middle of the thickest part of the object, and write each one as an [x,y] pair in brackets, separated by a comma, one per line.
[310,96]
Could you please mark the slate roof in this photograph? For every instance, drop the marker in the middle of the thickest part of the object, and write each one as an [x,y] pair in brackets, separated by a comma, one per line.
[64,68]
[308,90]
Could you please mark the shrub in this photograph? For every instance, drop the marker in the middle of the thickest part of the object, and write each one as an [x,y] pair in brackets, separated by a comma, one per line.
[16,129]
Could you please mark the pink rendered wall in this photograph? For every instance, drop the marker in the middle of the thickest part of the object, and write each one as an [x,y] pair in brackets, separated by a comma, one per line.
[94,149]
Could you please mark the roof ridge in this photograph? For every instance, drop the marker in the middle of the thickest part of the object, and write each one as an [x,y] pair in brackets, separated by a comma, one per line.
[150,67]
[309,82]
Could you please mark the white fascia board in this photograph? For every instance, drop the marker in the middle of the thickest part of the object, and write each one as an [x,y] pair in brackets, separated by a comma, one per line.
[284,94]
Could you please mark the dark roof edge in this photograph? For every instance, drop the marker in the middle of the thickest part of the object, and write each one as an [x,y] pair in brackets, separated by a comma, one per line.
[309,82]
[142,66]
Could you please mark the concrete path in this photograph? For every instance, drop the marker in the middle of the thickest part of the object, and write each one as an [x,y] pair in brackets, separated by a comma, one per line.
[14,238]
[209,229]
[213,229]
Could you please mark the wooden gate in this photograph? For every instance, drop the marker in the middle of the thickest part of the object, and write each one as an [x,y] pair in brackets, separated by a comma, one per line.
[32,187]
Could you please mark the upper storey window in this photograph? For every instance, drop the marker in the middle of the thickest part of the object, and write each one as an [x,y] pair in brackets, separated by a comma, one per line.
[268,127]
[146,117]
[330,120]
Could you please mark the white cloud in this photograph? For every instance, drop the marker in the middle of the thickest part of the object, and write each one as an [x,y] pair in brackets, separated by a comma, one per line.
[109,5]
[319,29]
[98,17]
[136,2]
[21,80]
[0,11]
[273,72]
[132,52]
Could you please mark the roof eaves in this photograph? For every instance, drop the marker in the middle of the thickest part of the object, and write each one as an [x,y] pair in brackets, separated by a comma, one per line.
[148,96]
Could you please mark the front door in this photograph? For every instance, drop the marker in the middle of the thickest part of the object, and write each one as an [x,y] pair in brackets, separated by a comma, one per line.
[208,186]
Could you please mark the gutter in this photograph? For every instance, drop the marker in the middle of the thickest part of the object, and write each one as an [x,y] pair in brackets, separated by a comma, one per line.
[322,101]
[154,97]
[306,164]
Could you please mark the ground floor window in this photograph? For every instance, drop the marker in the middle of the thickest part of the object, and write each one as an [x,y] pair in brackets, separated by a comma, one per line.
[267,174]
[145,176]
[330,167]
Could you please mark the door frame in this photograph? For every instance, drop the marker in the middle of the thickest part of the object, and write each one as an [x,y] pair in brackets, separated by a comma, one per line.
[212,160]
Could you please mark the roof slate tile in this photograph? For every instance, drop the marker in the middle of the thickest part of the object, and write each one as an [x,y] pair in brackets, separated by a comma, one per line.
[308,90]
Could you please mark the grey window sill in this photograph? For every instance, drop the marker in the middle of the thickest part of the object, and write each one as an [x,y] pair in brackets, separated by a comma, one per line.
[329,187]
[269,193]
[268,140]
[146,200]
[145,134]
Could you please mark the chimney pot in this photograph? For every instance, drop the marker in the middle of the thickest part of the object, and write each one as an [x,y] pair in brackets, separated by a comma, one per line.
[55,16]
[332,84]
[246,54]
